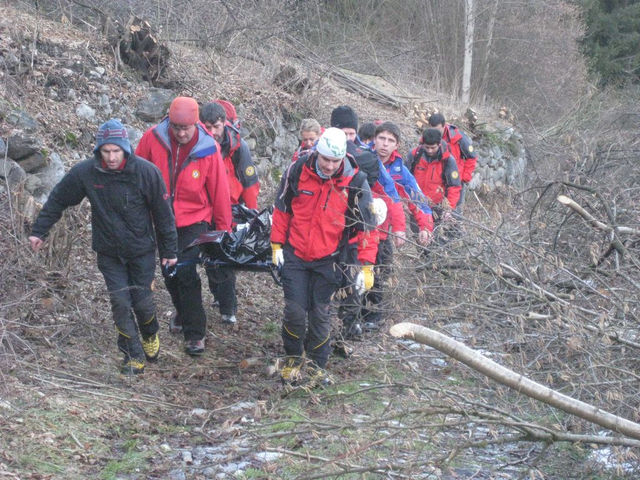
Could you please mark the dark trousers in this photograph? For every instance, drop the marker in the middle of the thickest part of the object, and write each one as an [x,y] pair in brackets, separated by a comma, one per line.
[372,310]
[222,283]
[350,308]
[308,287]
[129,285]
[185,287]
[463,193]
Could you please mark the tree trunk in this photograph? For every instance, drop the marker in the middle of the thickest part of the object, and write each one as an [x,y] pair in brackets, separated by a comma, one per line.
[489,33]
[469,26]
[513,380]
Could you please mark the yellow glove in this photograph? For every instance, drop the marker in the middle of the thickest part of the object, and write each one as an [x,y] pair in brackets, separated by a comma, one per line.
[277,255]
[367,271]
[364,280]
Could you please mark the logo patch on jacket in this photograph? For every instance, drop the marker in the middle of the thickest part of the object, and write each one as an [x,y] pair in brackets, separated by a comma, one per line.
[195,174]
[249,171]
[454,174]
[306,192]
[470,148]
[398,169]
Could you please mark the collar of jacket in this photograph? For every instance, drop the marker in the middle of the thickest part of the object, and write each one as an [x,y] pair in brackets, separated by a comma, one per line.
[128,165]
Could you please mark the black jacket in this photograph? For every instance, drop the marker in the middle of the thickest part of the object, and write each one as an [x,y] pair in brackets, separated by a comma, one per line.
[125,206]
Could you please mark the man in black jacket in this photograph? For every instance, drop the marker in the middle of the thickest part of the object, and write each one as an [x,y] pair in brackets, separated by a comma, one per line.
[129,209]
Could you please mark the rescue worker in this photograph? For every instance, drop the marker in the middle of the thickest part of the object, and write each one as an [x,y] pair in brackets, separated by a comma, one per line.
[436,172]
[310,131]
[387,140]
[319,199]
[461,148]
[192,168]
[130,209]
[244,187]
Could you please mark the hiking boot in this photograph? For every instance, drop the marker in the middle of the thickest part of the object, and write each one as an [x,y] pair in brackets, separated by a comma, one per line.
[290,373]
[151,347]
[229,319]
[175,324]
[132,366]
[318,377]
[194,347]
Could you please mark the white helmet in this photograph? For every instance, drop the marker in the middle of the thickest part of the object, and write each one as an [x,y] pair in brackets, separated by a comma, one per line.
[332,143]
[379,209]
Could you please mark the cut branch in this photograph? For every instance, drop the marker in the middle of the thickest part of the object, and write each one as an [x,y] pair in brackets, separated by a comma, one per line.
[513,380]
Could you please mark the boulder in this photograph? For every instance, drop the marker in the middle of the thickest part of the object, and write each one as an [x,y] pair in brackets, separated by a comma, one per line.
[21,146]
[34,185]
[22,120]
[52,173]
[33,162]
[154,106]
[85,111]
[11,172]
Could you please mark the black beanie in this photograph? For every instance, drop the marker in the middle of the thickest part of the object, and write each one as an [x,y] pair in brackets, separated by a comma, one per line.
[436,119]
[344,117]
[431,136]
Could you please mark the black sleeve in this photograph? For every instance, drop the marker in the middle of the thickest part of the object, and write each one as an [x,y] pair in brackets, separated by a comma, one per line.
[466,147]
[67,193]
[362,204]
[159,204]
[451,174]
[244,166]
[288,186]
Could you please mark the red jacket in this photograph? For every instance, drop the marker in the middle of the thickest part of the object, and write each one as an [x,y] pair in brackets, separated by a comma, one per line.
[437,176]
[462,150]
[311,213]
[199,191]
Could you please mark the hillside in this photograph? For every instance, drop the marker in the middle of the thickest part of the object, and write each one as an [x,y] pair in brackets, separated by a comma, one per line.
[511,286]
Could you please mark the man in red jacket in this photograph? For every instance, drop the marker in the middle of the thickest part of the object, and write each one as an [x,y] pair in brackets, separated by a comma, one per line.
[192,168]
[319,201]
[244,188]
[436,172]
[462,150]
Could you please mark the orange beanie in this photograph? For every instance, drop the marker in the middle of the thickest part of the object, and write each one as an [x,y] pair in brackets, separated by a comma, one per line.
[183,111]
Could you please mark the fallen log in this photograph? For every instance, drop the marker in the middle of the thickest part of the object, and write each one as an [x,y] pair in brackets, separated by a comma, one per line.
[514,380]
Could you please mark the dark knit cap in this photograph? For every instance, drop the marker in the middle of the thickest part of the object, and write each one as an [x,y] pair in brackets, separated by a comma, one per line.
[344,117]
[212,112]
[113,132]
[431,136]
[436,119]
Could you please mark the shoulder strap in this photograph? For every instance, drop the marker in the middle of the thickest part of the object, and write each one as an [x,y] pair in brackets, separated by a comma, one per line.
[416,159]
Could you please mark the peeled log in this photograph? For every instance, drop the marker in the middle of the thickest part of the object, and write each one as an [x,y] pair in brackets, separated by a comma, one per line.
[513,380]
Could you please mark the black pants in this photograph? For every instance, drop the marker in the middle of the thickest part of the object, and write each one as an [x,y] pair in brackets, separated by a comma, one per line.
[308,287]
[372,310]
[129,285]
[185,287]
[222,283]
